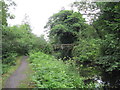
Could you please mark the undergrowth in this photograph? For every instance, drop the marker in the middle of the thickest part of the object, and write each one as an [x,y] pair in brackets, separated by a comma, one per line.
[9,70]
[53,73]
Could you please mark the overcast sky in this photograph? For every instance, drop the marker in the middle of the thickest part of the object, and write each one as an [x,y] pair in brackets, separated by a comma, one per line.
[38,11]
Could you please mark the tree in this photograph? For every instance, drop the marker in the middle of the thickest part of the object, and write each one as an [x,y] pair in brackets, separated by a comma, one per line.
[64,26]
[88,9]
[26,23]
[104,50]
[108,25]
[4,11]
[109,28]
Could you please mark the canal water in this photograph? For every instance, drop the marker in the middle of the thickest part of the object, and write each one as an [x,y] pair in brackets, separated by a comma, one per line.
[102,79]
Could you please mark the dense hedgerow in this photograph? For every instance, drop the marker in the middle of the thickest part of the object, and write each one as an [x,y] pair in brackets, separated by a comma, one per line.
[52,73]
[8,62]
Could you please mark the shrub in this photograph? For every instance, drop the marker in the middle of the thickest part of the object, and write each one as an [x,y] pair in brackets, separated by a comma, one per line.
[9,58]
[51,73]
[87,51]
[7,61]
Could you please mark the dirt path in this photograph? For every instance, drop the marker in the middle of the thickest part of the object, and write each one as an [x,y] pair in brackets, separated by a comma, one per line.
[19,75]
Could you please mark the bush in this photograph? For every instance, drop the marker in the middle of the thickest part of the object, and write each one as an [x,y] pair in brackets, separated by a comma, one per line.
[7,61]
[87,51]
[9,58]
[110,53]
[51,73]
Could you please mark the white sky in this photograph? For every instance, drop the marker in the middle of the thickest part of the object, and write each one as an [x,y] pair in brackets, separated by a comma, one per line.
[38,11]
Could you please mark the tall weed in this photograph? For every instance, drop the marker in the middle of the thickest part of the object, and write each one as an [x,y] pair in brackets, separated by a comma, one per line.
[53,73]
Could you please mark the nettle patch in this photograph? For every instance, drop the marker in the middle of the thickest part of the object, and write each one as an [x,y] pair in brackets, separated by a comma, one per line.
[53,73]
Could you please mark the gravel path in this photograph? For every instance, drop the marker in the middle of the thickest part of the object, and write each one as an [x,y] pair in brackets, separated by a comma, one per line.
[19,75]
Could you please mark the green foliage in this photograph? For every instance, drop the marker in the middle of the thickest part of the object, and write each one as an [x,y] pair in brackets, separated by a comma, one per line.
[102,49]
[9,61]
[87,47]
[105,51]
[18,39]
[4,14]
[109,53]
[87,51]
[98,45]
[10,57]
[109,28]
[64,26]
[51,73]
[64,29]
[12,38]
[5,68]
[40,44]
[87,8]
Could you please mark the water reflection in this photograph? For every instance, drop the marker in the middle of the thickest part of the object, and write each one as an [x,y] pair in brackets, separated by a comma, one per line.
[101,78]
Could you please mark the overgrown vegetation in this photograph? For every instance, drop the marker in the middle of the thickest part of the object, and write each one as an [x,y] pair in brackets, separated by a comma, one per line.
[9,69]
[18,40]
[96,44]
[53,73]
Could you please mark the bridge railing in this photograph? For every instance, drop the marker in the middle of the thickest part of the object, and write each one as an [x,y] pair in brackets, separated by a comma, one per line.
[62,46]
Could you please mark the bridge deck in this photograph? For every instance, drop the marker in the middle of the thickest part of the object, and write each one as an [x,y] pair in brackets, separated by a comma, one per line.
[62,46]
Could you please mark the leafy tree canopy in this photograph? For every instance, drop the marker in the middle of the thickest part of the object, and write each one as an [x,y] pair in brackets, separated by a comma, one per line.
[65,25]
